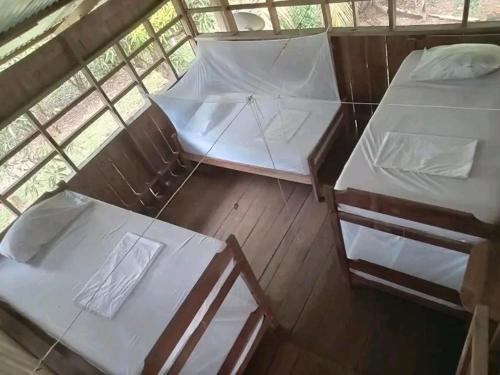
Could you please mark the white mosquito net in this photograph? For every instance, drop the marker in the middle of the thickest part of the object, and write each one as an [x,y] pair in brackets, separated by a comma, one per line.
[255,102]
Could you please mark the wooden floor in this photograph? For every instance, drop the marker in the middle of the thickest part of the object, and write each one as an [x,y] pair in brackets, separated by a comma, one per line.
[327,327]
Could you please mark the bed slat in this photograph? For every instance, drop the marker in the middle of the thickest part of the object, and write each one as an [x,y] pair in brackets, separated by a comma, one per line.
[186,312]
[405,280]
[241,342]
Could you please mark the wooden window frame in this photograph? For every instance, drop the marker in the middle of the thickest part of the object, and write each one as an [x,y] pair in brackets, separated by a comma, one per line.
[392,27]
[96,87]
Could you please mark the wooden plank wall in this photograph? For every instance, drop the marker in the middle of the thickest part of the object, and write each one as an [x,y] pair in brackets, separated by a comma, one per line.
[141,157]
[366,64]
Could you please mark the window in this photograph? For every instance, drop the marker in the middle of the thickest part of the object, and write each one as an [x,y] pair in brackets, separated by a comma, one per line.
[117,83]
[262,13]
[342,14]
[182,58]
[134,40]
[104,64]
[429,12]
[209,22]
[172,36]
[241,2]
[61,97]
[6,217]
[484,10]
[300,17]
[21,163]
[61,132]
[75,117]
[372,13]
[159,79]
[146,58]
[14,134]
[92,138]
[201,3]
[46,178]
[130,104]
[162,17]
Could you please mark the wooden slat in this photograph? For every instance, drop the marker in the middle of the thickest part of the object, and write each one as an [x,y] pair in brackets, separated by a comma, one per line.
[480,341]
[273,14]
[289,176]
[186,312]
[228,366]
[419,212]
[407,232]
[202,327]
[251,281]
[392,14]
[408,281]
[465,17]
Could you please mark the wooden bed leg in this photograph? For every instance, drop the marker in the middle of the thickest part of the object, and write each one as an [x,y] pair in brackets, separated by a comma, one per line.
[338,239]
[251,281]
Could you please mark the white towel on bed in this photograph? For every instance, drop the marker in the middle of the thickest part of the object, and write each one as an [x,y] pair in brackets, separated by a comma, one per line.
[430,154]
[122,270]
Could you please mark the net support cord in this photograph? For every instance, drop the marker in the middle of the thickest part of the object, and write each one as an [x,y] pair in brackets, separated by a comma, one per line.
[253,104]
[255,108]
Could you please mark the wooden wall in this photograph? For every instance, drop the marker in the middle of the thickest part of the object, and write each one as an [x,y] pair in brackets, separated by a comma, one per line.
[139,169]
[366,64]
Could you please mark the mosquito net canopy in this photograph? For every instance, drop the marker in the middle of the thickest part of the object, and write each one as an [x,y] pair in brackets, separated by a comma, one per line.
[256,95]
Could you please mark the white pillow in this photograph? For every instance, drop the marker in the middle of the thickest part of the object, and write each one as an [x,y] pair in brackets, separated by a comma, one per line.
[41,224]
[457,61]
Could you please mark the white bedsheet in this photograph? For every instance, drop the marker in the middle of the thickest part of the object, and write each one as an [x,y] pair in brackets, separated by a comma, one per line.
[480,193]
[427,108]
[239,135]
[43,291]
[433,263]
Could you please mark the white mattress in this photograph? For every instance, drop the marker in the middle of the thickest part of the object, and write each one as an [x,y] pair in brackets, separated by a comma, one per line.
[243,142]
[480,193]
[43,291]
[424,108]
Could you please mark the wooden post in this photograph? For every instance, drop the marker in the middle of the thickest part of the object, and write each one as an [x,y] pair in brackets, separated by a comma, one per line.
[329,194]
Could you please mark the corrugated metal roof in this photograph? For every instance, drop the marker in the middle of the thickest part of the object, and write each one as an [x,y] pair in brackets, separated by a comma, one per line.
[16,11]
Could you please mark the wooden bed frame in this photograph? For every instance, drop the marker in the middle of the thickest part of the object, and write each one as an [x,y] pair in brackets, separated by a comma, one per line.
[405,209]
[62,360]
[336,129]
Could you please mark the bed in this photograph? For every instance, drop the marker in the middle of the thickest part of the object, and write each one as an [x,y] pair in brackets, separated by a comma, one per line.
[264,107]
[410,233]
[197,309]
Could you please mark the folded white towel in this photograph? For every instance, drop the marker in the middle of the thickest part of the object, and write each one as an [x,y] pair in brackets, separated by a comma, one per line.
[285,124]
[122,270]
[430,154]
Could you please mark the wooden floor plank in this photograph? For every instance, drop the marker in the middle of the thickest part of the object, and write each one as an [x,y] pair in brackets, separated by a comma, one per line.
[284,360]
[261,251]
[302,281]
[293,249]
[329,328]
[311,364]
